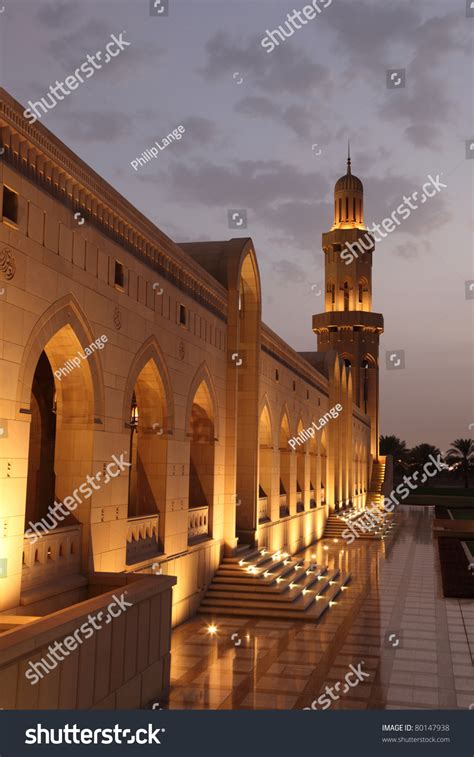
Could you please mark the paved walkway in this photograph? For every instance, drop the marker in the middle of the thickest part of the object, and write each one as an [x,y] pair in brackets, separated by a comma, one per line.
[428,663]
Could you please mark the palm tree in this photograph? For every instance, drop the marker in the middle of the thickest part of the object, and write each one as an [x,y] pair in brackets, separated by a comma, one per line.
[392,445]
[461,453]
[420,455]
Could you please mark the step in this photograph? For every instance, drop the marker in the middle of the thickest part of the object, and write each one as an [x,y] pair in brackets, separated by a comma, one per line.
[296,600]
[313,612]
[251,579]
[281,590]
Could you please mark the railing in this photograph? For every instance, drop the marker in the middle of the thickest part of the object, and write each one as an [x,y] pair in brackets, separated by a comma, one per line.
[300,503]
[263,509]
[312,499]
[55,553]
[284,511]
[198,522]
[142,538]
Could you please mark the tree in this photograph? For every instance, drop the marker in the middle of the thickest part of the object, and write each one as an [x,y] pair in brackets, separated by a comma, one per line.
[420,455]
[461,454]
[392,445]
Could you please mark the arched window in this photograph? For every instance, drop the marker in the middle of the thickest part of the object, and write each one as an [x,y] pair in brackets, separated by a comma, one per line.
[346,295]
[347,208]
[340,209]
[354,209]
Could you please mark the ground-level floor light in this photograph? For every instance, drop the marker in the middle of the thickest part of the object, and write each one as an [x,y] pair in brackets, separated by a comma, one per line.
[212,629]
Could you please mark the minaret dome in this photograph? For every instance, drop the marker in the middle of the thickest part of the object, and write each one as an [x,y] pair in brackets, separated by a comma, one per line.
[348,200]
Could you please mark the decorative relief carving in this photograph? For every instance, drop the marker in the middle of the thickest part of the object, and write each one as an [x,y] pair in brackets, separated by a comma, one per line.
[118,318]
[7,263]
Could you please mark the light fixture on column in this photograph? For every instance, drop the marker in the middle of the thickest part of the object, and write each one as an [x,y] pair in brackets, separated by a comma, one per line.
[134,413]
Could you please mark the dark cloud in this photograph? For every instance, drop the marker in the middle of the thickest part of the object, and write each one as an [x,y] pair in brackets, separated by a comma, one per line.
[246,183]
[287,69]
[72,48]
[412,249]
[96,126]
[290,271]
[59,14]
[298,118]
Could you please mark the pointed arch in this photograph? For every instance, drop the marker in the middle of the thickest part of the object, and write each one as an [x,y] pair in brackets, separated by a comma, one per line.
[150,365]
[64,329]
[265,426]
[203,377]
[284,426]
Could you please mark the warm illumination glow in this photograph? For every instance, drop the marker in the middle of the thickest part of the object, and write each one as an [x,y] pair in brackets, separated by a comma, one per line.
[326,547]
[267,573]
[264,552]
[292,586]
[242,562]
[212,629]
[335,541]
[285,562]
[298,567]
[279,580]
[313,557]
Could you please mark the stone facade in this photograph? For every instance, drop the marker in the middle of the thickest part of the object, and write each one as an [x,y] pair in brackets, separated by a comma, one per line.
[190,386]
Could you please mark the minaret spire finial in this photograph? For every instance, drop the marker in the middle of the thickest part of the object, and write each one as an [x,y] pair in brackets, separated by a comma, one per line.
[348,157]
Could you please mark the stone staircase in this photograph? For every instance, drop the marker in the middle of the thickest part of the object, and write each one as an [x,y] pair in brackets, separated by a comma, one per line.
[258,583]
[338,522]
[335,525]
[374,495]
[373,529]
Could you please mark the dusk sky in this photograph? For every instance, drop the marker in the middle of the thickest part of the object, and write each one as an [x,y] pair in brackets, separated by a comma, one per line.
[276,143]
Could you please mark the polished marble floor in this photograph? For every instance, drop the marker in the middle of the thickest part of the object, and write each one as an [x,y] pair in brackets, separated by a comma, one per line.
[427,663]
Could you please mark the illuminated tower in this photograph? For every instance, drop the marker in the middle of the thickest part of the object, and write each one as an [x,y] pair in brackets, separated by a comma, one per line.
[348,324]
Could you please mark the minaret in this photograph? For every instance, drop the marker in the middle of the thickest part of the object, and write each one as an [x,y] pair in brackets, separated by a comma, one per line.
[348,324]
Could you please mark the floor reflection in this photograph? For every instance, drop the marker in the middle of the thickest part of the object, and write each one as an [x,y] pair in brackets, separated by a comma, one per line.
[417,646]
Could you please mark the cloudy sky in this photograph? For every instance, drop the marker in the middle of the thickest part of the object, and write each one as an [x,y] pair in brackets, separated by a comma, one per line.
[268,132]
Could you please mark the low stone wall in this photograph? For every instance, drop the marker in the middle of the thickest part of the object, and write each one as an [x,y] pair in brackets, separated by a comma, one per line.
[125,664]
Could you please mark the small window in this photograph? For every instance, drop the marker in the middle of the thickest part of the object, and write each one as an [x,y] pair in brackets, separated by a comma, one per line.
[119,276]
[294,386]
[183,315]
[277,376]
[10,205]
[307,394]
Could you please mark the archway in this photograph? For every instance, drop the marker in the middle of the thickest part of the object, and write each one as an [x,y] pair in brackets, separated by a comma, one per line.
[285,466]
[147,420]
[201,463]
[324,467]
[247,383]
[300,472]
[265,469]
[62,406]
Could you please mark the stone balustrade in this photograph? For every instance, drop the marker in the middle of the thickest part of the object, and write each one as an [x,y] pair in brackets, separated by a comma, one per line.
[56,553]
[142,538]
[198,522]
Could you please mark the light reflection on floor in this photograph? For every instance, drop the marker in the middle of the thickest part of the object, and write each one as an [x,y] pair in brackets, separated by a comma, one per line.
[395,589]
